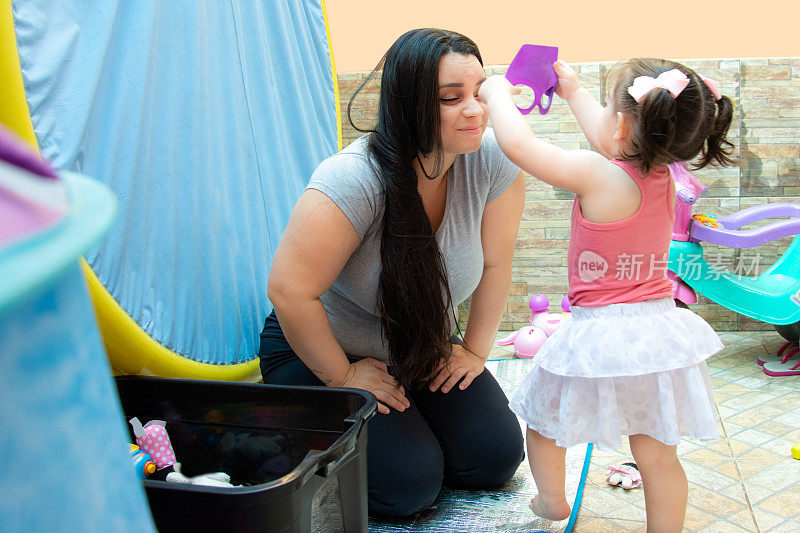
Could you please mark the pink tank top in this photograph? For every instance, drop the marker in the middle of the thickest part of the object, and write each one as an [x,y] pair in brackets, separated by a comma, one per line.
[624,261]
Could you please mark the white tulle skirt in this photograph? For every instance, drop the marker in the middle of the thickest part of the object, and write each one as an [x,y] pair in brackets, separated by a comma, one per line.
[622,369]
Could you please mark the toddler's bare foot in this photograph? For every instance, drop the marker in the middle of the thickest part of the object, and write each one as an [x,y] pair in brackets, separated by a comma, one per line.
[555,510]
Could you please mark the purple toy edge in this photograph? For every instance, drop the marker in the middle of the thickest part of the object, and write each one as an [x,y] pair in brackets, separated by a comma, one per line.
[14,151]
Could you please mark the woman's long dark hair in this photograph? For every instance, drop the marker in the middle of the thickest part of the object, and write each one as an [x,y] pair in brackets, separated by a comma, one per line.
[413,295]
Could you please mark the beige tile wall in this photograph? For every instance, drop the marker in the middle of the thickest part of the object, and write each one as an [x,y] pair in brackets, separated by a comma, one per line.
[765,130]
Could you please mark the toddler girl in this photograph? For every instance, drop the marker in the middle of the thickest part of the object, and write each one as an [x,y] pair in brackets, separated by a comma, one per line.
[630,362]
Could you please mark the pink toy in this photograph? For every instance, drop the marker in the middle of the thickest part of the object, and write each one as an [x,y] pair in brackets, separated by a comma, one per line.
[529,339]
[153,439]
[625,475]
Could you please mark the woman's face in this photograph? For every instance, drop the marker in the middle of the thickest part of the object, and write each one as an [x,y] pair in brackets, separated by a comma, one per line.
[463,117]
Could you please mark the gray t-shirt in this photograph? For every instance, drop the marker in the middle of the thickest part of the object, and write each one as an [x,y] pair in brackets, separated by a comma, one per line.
[349,180]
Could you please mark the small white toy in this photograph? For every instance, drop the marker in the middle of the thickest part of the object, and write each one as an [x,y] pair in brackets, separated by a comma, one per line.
[212,479]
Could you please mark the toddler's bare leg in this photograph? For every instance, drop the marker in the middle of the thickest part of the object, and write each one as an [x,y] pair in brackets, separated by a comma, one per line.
[547,466]
[664,482]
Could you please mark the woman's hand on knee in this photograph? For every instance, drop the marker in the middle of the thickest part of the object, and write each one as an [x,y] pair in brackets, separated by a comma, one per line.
[372,375]
[463,365]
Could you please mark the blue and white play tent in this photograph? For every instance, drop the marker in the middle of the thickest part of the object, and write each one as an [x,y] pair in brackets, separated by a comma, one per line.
[202,122]
[206,119]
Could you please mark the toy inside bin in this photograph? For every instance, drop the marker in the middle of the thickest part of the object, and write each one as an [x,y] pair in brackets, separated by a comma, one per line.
[279,444]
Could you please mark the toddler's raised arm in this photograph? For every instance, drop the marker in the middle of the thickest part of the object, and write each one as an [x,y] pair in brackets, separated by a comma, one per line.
[574,170]
[586,109]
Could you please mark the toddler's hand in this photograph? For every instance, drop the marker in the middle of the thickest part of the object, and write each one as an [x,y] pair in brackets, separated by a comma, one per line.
[494,85]
[568,81]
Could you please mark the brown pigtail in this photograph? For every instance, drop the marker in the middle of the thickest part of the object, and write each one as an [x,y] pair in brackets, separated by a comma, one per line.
[718,149]
[656,128]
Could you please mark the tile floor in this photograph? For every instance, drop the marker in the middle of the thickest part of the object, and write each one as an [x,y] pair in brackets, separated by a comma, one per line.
[745,481]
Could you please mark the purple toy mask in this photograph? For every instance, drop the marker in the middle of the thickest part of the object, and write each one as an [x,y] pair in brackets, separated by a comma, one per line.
[533,66]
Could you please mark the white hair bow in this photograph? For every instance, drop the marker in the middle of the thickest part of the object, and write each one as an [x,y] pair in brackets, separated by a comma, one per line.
[673,80]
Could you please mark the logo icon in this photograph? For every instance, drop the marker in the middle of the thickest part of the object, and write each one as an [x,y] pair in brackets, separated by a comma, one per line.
[591,266]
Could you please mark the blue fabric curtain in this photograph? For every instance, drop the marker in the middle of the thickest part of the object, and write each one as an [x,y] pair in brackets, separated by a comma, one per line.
[206,119]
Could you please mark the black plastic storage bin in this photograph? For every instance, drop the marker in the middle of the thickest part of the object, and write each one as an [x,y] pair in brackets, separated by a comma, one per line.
[282,443]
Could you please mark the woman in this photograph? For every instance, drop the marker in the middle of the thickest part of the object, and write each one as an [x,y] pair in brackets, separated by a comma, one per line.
[391,233]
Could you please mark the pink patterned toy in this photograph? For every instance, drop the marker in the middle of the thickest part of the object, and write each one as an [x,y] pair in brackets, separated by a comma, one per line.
[529,339]
[625,475]
[153,439]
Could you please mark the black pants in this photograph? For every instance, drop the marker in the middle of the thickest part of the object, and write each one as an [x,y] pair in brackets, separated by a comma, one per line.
[465,439]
